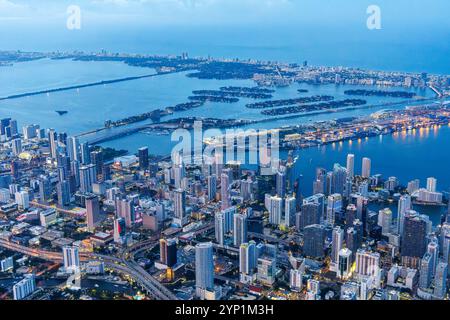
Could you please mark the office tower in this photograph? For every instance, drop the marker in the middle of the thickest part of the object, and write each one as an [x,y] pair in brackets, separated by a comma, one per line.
[240,229]
[29,131]
[168,252]
[4,123]
[119,230]
[339,179]
[73,146]
[125,209]
[295,280]
[178,174]
[143,158]
[24,287]
[319,184]
[204,268]
[85,153]
[180,204]
[368,264]
[75,170]
[366,167]
[71,257]
[431,184]
[267,269]
[352,240]
[413,186]
[314,239]
[97,161]
[425,271]
[219,227]
[225,191]
[309,215]
[247,258]
[17,147]
[53,143]
[440,280]
[414,243]
[63,191]
[93,216]
[275,210]
[351,165]
[344,263]
[404,205]
[13,129]
[45,190]
[248,188]
[334,205]
[281,183]
[351,213]
[22,199]
[87,177]
[433,250]
[385,220]
[290,204]
[212,187]
[337,243]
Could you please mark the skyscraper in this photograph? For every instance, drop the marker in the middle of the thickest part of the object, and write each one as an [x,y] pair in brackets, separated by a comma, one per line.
[385,220]
[168,252]
[53,143]
[314,240]
[92,212]
[404,204]
[71,259]
[73,148]
[143,158]
[247,258]
[87,177]
[366,167]
[63,191]
[334,205]
[414,243]
[240,229]
[337,243]
[309,215]
[425,271]
[440,280]
[351,165]
[204,268]
[212,187]
[281,183]
[225,191]
[219,227]
[180,204]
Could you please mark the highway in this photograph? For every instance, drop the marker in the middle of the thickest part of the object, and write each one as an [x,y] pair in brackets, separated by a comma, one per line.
[131,268]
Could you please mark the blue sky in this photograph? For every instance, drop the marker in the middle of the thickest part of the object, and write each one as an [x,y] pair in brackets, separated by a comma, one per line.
[225,12]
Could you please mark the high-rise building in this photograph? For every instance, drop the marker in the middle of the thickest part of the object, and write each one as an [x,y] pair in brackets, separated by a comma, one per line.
[275,210]
[71,257]
[385,220]
[351,165]
[87,177]
[425,271]
[85,151]
[204,268]
[22,199]
[73,148]
[366,167]
[97,161]
[240,229]
[314,240]
[368,264]
[93,216]
[16,146]
[344,263]
[247,258]
[404,204]
[334,206]
[309,215]
[53,143]
[440,280]
[63,191]
[143,158]
[125,209]
[431,184]
[180,205]
[295,280]
[339,179]
[24,287]
[119,230]
[212,187]
[290,204]
[225,191]
[337,243]
[414,243]
[281,183]
[219,227]
[168,252]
